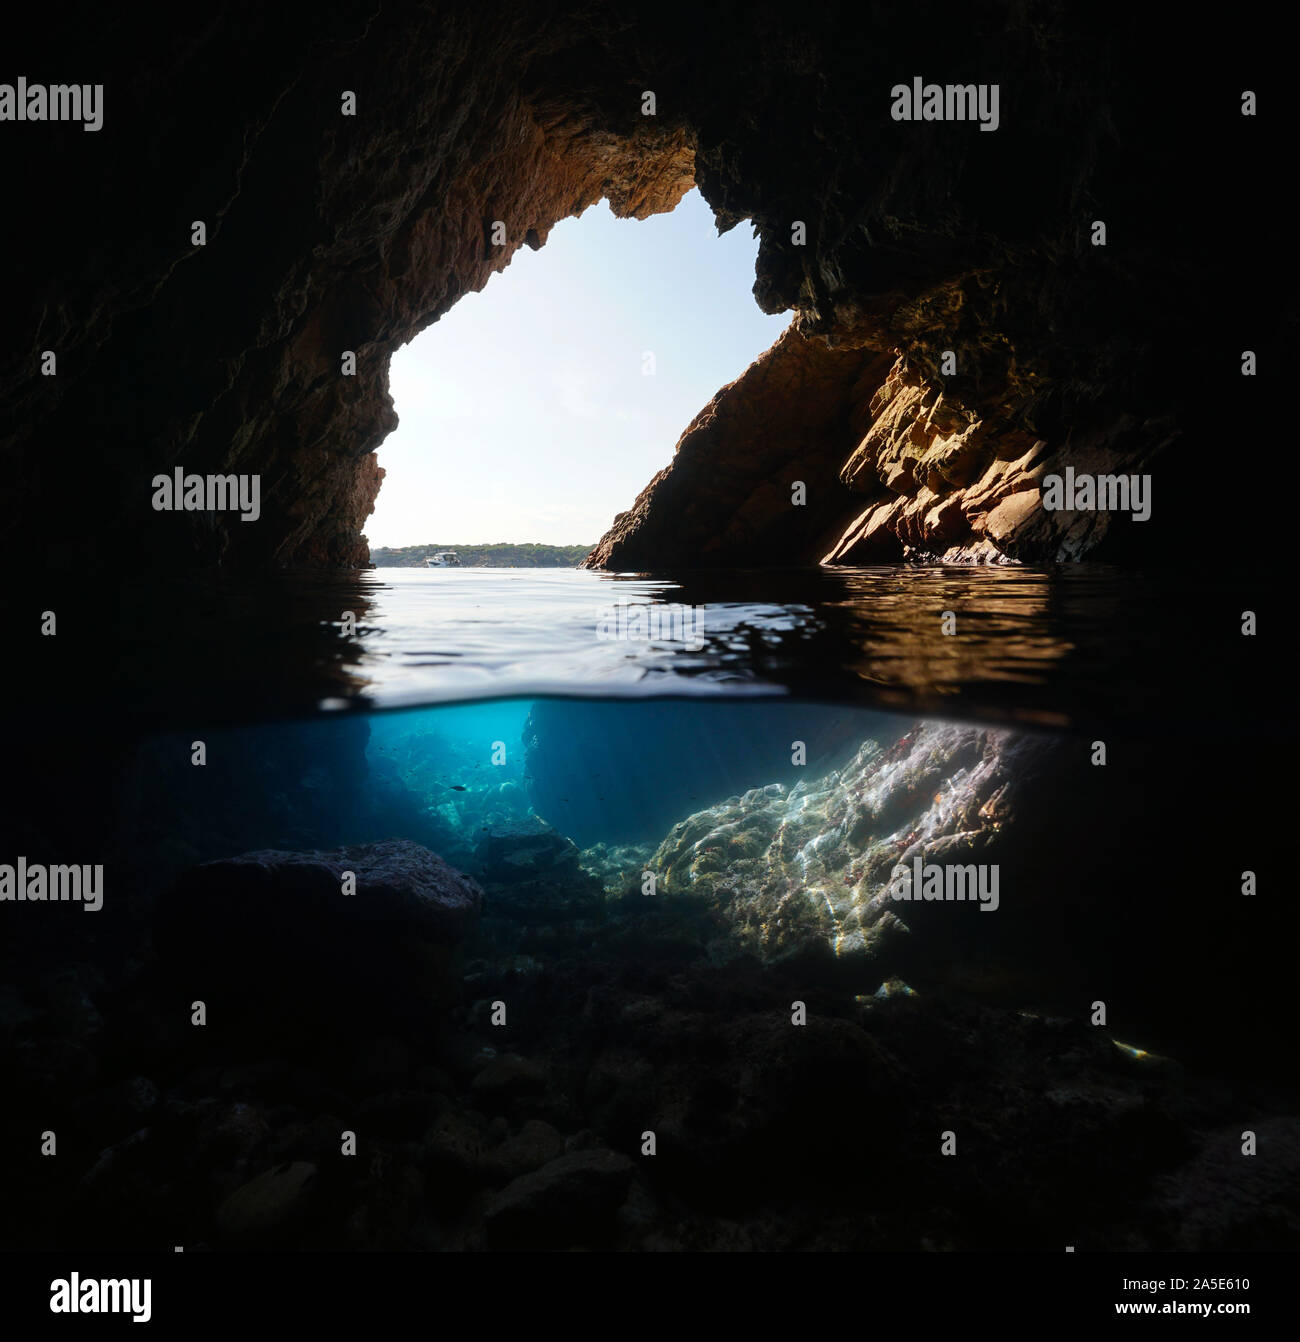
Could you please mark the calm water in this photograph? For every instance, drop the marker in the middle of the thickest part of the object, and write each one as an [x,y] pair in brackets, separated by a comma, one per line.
[1058,647]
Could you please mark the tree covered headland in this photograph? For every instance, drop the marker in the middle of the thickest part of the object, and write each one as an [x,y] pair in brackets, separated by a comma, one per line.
[502,555]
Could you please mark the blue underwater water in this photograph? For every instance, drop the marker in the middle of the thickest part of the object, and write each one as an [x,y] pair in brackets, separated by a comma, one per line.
[784,819]
[604,771]
[598,770]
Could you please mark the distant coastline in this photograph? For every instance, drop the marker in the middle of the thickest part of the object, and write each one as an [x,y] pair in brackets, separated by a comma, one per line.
[501,555]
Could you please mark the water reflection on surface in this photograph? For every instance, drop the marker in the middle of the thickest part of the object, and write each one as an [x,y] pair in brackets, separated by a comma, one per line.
[1056,645]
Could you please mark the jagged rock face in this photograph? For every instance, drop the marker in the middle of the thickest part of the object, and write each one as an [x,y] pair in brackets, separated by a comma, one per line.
[889,465]
[329,233]
[814,866]
[940,481]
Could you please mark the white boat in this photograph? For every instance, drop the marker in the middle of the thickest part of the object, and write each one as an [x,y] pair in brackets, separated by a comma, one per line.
[443,559]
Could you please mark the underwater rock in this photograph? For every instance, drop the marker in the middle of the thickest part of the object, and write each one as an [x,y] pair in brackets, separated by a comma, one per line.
[525,850]
[121,1108]
[533,873]
[536,1144]
[111,1161]
[459,1155]
[275,930]
[796,872]
[572,1198]
[755,1090]
[1218,1201]
[387,1203]
[617,867]
[268,1207]
[231,1129]
[452,1153]
[509,1076]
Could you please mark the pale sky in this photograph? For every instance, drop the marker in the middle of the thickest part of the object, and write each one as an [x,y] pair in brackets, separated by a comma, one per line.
[525,414]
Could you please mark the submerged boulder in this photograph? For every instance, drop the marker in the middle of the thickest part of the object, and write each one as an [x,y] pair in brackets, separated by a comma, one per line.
[530,849]
[810,872]
[269,1208]
[571,1199]
[534,874]
[361,931]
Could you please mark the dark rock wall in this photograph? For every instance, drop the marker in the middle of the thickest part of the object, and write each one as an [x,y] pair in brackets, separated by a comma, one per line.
[329,233]
[326,233]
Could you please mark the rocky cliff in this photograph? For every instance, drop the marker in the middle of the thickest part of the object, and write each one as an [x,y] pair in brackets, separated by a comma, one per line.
[892,243]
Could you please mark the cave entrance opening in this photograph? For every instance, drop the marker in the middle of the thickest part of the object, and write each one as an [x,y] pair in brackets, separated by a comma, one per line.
[534,411]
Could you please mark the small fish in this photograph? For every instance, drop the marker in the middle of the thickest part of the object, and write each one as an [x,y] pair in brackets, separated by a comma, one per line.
[457,787]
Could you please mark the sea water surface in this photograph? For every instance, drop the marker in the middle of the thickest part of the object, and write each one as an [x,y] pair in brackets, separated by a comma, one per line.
[1056,646]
